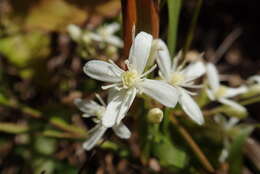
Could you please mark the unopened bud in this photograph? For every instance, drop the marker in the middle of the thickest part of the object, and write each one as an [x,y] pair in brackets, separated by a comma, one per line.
[74,32]
[155,115]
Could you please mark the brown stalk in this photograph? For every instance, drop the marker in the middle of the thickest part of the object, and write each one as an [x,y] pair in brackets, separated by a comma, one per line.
[194,146]
[129,20]
[144,14]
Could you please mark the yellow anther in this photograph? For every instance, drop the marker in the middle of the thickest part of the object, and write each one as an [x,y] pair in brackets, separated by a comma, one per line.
[177,79]
[129,78]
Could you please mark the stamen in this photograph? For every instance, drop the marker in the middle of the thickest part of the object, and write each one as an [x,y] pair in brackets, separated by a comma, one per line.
[109,86]
[100,99]
[192,86]
[115,65]
[149,71]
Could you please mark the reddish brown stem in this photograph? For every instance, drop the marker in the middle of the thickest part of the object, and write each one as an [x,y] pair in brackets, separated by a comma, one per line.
[129,20]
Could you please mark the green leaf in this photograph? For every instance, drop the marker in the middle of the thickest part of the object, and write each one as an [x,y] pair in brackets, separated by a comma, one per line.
[62,124]
[233,112]
[236,151]
[59,134]
[169,155]
[13,128]
[27,47]
[174,8]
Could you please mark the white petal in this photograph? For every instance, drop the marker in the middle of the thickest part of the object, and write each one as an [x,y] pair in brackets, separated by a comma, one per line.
[88,107]
[176,60]
[140,51]
[112,28]
[190,107]
[102,71]
[95,135]
[93,36]
[231,92]
[119,104]
[233,104]
[74,31]
[160,91]
[163,59]
[213,76]
[194,70]
[116,41]
[121,131]
[254,79]
[210,94]
[125,105]
[223,155]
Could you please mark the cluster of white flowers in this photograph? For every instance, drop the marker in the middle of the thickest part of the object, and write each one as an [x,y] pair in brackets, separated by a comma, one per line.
[174,86]
[104,36]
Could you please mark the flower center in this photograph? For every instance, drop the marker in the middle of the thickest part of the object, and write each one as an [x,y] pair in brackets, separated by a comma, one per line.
[129,78]
[221,92]
[177,79]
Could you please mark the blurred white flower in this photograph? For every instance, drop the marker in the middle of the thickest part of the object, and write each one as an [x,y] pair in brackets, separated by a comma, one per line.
[103,34]
[221,93]
[180,78]
[254,79]
[227,125]
[127,83]
[91,108]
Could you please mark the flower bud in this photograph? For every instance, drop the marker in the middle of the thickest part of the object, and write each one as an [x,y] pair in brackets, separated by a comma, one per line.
[155,115]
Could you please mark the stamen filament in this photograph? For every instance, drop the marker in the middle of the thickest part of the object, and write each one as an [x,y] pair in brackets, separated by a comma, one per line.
[100,99]
[149,71]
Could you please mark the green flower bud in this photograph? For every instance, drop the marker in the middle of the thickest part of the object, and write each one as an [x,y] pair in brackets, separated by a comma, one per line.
[155,115]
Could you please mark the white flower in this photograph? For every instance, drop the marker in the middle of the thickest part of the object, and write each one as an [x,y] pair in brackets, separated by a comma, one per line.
[254,79]
[180,78]
[106,34]
[127,83]
[220,92]
[91,108]
[103,34]
[226,125]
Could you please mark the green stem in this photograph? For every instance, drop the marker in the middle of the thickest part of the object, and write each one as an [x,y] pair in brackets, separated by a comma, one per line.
[192,27]
[174,8]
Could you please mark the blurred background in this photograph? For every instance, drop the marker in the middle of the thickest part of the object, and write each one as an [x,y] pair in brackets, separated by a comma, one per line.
[41,130]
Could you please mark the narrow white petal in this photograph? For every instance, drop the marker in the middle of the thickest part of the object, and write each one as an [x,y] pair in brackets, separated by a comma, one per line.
[213,76]
[223,155]
[160,91]
[112,110]
[112,28]
[176,60]
[163,59]
[126,103]
[88,107]
[140,51]
[94,136]
[254,79]
[210,94]
[119,104]
[231,92]
[194,70]
[190,107]
[121,131]
[233,104]
[102,71]
[93,36]
[114,40]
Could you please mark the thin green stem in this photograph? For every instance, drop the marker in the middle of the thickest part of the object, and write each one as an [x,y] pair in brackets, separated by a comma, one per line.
[174,8]
[192,27]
